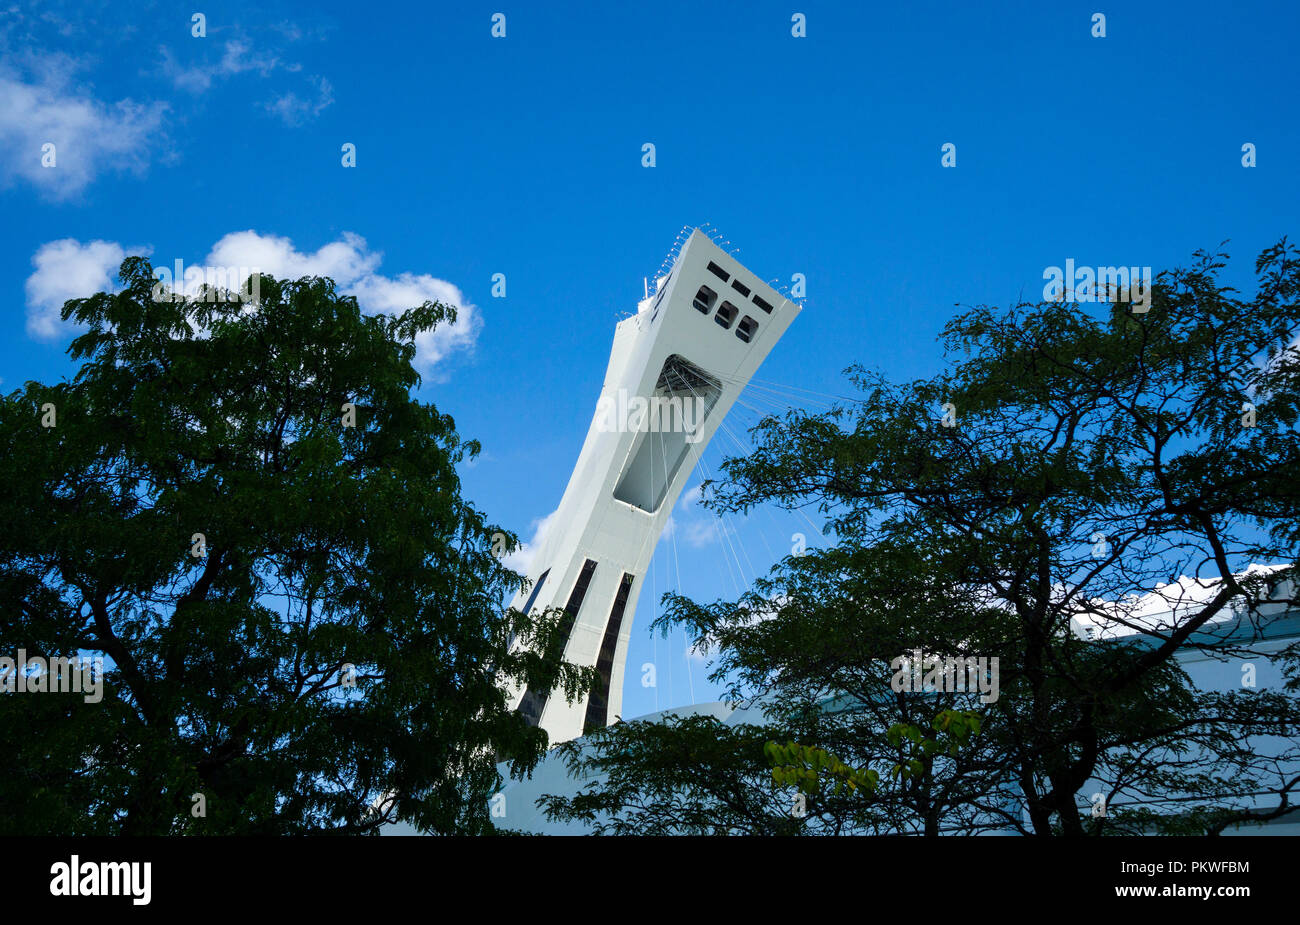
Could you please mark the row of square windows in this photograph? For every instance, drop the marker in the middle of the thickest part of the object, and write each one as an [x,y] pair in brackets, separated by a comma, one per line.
[706,297]
[704,301]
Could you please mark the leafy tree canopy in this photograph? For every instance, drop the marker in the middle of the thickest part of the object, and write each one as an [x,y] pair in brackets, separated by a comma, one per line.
[243,509]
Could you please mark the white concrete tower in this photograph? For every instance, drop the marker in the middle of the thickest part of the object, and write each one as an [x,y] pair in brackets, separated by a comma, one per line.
[674,371]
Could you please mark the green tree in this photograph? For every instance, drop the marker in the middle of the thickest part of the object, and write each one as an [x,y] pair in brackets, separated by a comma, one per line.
[810,769]
[245,511]
[1069,460]
[688,775]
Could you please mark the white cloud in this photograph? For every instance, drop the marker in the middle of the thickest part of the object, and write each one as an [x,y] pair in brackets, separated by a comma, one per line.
[346,260]
[69,269]
[235,59]
[296,110]
[701,533]
[89,136]
[695,531]
[352,265]
[521,560]
[238,58]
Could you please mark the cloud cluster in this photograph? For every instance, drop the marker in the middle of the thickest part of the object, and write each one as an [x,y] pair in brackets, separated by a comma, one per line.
[68,269]
[88,136]
[239,57]
[293,109]
[59,135]
[235,59]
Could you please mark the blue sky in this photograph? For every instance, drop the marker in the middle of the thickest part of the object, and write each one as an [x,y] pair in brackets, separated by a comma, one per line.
[522,155]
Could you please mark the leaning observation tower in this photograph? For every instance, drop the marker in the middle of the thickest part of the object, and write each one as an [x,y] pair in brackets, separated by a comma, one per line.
[675,369]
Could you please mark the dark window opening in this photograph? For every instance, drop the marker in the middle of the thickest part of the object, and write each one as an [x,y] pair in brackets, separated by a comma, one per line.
[532,597]
[762,303]
[534,703]
[718,271]
[704,299]
[739,287]
[745,330]
[726,314]
[598,704]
